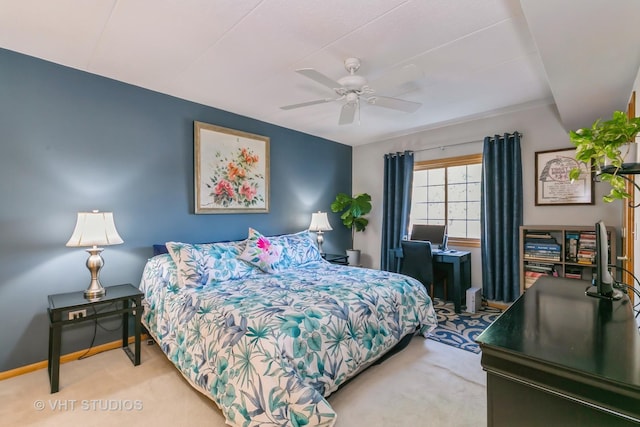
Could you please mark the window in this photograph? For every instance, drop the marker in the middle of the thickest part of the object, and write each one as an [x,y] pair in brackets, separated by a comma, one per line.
[447,191]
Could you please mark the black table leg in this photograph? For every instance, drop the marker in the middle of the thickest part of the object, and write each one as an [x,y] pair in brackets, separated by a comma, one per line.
[125,324]
[457,299]
[138,328]
[137,311]
[55,336]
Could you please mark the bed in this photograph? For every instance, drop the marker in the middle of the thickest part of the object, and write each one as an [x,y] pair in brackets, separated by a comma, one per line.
[267,329]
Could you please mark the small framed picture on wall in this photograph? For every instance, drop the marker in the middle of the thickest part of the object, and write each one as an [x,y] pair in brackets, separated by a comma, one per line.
[553,186]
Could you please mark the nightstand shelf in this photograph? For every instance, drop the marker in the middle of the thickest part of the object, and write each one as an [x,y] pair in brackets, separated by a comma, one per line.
[336,259]
[119,300]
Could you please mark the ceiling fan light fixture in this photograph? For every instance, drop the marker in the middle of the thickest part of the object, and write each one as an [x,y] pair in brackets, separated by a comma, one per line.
[351,87]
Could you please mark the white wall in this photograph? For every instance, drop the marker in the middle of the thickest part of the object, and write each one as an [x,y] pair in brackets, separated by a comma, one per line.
[542,130]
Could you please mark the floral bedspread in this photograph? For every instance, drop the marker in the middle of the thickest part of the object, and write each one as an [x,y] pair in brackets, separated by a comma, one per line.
[269,348]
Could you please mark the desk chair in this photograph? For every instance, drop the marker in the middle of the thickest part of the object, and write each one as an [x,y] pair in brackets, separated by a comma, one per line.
[417,262]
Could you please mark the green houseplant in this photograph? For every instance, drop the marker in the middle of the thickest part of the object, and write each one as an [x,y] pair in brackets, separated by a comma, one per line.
[610,147]
[353,209]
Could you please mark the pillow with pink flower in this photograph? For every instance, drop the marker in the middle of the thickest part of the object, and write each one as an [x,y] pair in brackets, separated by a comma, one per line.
[262,252]
[207,263]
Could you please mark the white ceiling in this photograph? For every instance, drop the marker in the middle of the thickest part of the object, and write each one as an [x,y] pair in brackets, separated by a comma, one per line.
[476,57]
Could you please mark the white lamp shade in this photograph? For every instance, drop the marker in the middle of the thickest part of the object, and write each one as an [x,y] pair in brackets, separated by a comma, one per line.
[95,229]
[319,222]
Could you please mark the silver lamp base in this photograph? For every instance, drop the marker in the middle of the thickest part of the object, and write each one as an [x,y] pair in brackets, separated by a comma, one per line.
[95,291]
[320,239]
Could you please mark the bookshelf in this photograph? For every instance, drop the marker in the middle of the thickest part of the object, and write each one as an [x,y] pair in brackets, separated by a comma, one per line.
[562,251]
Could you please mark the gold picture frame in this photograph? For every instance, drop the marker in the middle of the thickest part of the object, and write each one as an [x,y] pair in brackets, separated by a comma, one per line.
[231,170]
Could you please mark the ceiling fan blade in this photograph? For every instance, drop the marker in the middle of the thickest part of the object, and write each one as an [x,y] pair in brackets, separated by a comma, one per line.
[394,103]
[397,77]
[306,104]
[319,77]
[348,113]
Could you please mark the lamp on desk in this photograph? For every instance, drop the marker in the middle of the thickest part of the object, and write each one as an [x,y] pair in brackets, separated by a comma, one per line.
[93,229]
[320,224]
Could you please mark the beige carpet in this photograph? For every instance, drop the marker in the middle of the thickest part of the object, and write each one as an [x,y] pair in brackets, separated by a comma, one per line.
[427,384]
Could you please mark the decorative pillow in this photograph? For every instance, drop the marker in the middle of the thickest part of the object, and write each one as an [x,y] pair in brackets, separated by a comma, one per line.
[262,252]
[203,264]
[299,248]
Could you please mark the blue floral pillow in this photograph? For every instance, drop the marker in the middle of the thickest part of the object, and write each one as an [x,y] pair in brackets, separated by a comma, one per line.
[299,248]
[263,252]
[203,264]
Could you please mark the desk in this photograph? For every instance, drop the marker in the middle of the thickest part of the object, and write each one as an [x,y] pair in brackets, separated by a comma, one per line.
[118,300]
[558,357]
[458,267]
[457,264]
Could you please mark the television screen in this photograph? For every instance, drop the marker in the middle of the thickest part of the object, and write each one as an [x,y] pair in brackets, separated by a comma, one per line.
[432,233]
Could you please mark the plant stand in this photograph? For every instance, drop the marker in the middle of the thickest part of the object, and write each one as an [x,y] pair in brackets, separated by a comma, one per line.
[627,169]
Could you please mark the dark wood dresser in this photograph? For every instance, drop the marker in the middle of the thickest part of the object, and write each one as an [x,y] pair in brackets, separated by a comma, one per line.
[557,357]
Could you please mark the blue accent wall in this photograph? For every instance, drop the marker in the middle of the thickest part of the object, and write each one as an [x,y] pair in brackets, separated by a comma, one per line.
[72,141]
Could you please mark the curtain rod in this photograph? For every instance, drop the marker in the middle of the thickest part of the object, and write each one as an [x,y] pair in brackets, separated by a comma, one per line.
[442,147]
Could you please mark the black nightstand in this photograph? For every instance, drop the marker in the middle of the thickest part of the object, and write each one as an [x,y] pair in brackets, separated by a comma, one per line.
[120,299]
[336,259]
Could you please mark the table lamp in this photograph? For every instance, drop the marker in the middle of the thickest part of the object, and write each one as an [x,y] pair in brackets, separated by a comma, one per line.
[93,229]
[319,224]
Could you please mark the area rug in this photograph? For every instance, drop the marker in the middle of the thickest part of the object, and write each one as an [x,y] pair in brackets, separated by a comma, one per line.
[461,330]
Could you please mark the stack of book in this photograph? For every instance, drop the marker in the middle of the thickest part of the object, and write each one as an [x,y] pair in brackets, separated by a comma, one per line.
[573,272]
[587,247]
[543,246]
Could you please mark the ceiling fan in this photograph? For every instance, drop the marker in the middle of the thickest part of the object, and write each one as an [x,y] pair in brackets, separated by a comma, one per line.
[355,89]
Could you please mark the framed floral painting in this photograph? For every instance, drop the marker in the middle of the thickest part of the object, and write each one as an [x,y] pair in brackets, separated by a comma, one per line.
[231,170]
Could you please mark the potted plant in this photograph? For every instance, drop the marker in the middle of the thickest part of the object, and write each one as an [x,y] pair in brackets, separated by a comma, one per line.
[353,210]
[610,147]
